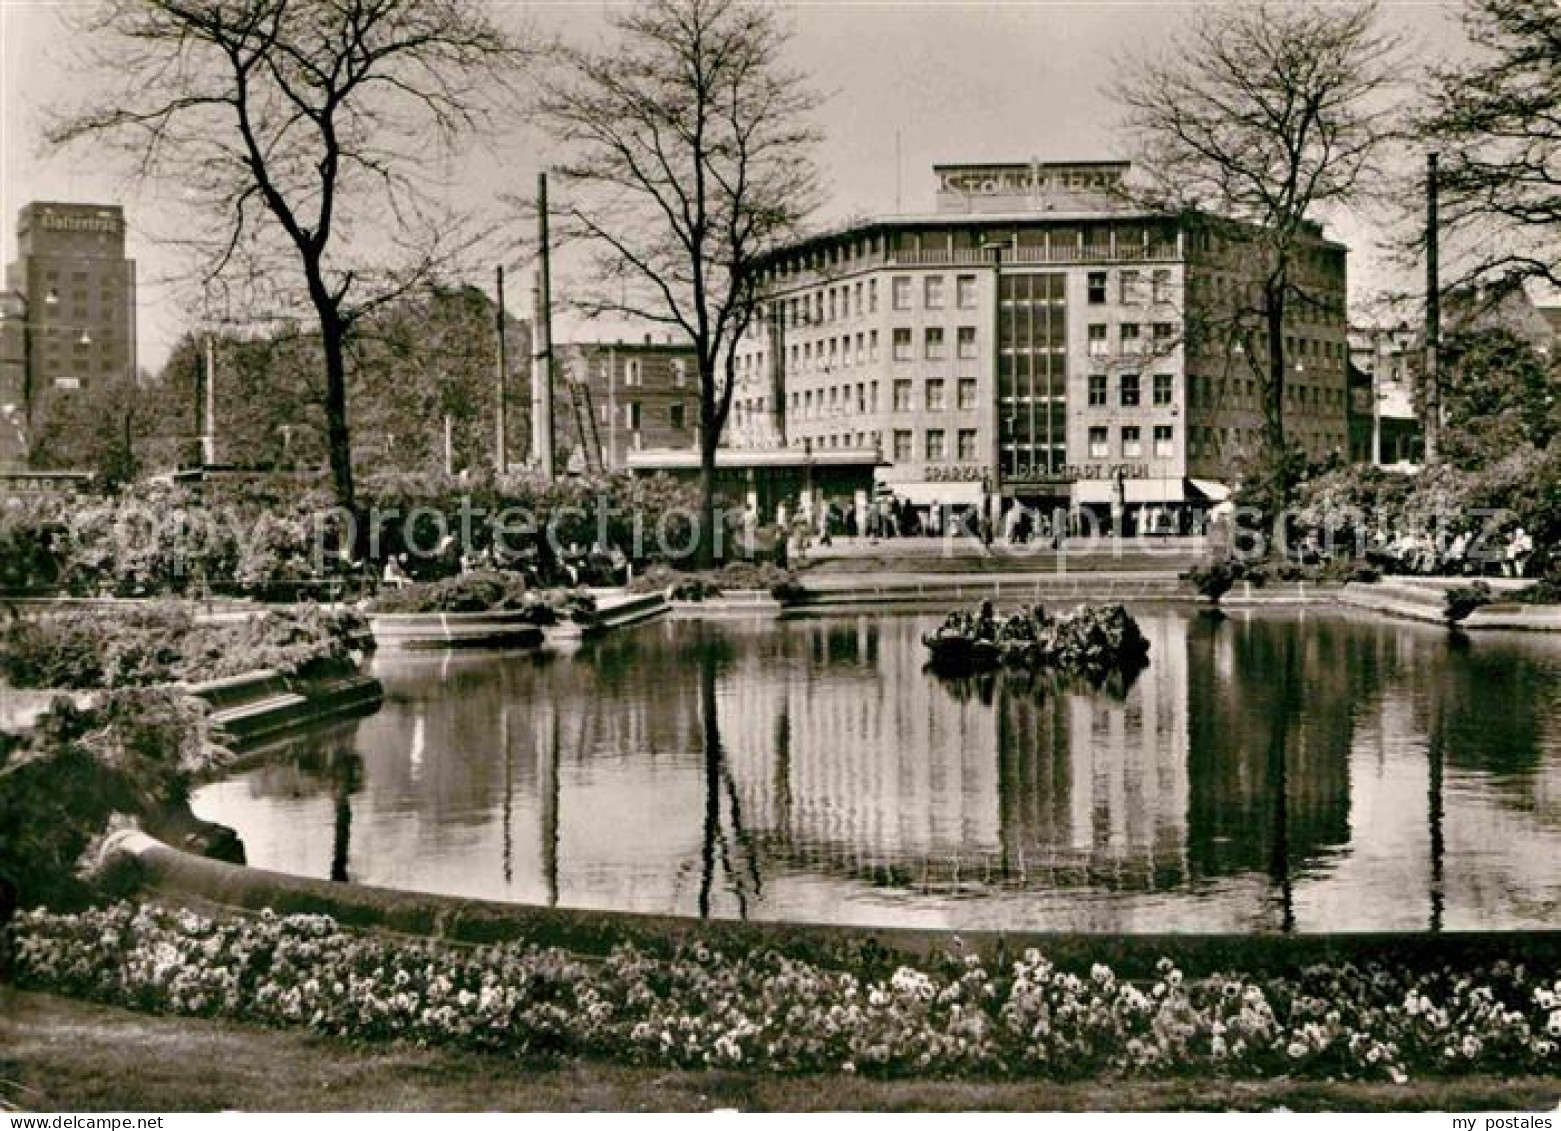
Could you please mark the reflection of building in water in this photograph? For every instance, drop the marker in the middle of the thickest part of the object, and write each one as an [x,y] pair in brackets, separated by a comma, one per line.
[904,779]
[1268,757]
[886,777]
[1094,786]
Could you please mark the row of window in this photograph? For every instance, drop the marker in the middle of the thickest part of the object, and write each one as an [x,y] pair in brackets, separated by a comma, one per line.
[1212,443]
[1131,290]
[1130,390]
[935,445]
[634,417]
[1130,443]
[1130,338]
[1209,392]
[811,404]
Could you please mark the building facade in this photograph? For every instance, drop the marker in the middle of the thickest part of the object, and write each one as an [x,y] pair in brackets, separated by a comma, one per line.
[1033,340]
[1384,367]
[70,303]
[611,400]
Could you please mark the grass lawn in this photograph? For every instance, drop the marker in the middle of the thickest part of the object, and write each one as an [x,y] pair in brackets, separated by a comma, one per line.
[63,1055]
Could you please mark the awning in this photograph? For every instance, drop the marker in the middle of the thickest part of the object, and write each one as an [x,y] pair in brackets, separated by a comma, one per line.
[1207,490]
[925,493]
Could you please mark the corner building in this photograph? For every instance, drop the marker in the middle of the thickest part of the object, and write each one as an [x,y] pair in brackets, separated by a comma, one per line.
[1034,341]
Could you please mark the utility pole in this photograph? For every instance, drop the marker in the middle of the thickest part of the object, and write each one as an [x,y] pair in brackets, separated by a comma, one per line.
[501,461]
[542,348]
[1433,321]
[209,414]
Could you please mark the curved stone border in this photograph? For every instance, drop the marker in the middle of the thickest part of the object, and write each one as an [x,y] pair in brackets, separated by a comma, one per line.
[493,629]
[180,875]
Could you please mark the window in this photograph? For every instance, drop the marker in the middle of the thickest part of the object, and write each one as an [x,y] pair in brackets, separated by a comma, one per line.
[935,450]
[1097,390]
[965,292]
[872,390]
[902,292]
[1099,445]
[1099,346]
[903,343]
[675,416]
[631,413]
[967,342]
[1129,333]
[631,375]
[934,343]
[902,445]
[872,345]
[872,296]
[1129,390]
[1160,282]
[932,292]
[832,309]
[1130,294]
[1162,389]
[1162,441]
[1097,288]
[967,445]
[1164,334]
[1132,444]
[935,402]
[859,300]
[967,392]
[902,396]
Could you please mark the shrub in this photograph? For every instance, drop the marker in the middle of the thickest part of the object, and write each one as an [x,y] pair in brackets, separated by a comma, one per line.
[164,643]
[134,753]
[479,592]
[1464,599]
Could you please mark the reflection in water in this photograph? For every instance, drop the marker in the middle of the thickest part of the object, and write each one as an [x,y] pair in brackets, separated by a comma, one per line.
[1266,772]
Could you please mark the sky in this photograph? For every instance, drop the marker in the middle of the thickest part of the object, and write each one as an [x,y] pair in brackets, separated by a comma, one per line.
[953,82]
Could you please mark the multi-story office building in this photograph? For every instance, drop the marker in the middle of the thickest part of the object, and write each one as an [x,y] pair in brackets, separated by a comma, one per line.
[1036,340]
[622,398]
[70,303]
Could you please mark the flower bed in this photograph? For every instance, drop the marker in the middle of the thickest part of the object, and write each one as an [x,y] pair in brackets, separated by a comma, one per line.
[680,585]
[484,591]
[699,1007]
[164,643]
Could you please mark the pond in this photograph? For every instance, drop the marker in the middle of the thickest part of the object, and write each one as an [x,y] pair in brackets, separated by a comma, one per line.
[1269,771]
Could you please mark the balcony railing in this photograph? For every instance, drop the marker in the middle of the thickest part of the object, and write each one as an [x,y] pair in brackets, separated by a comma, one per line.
[942,257]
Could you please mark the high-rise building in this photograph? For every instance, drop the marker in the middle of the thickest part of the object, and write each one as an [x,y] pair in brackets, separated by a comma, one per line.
[1037,340]
[70,304]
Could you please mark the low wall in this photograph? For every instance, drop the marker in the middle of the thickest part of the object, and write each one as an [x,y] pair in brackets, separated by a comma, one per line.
[182,876]
[265,706]
[494,629]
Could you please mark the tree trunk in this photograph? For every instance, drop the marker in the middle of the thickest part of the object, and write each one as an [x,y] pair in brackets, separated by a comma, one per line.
[1274,403]
[333,340]
[705,558]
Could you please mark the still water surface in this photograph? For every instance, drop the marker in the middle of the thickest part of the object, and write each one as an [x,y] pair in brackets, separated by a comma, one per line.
[1267,772]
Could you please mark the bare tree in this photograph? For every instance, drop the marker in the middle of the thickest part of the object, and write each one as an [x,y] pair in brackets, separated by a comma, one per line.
[310,135]
[686,159]
[1496,119]
[1247,125]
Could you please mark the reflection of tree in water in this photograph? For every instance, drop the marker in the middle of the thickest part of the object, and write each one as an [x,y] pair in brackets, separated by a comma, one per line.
[720,790]
[1269,745]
